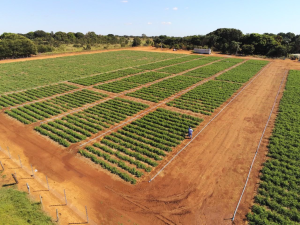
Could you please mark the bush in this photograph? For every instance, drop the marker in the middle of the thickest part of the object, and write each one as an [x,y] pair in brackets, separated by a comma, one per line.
[76,46]
[44,48]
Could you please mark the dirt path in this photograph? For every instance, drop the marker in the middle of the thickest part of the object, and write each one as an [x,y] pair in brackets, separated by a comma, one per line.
[202,186]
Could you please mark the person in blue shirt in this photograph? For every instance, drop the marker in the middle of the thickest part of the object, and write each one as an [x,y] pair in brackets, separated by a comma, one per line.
[190,132]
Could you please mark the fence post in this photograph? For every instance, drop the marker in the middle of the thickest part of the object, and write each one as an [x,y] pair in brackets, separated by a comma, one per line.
[28,188]
[41,201]
[57,216]
[32,171]
[2,165]
[87,216]
[20,161]
[15,178]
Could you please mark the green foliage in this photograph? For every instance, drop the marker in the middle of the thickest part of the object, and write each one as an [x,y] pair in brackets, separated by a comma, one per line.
[16,208]
[248,49]
[136,42]
[16,46]
[142,143]
[244,72]
[78,126]
[277,201]
[29,74]
[132,82]
[206,97]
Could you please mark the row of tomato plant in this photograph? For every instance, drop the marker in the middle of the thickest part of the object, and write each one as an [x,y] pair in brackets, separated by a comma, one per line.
[34,94]
[278,196]
[206,97]
[164,89]
[106,76]
[146,141]
[169,62]
[41,110]
[209,70]
[188,65]
[244,72]
[132,82]
[78,126]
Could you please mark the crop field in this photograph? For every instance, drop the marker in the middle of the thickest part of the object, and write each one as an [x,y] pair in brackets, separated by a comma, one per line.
[143,143]
[34,94]
[23,75]
[188,65]
[169,62]
[277,200]
[132,82]
[41,110]
[112,130]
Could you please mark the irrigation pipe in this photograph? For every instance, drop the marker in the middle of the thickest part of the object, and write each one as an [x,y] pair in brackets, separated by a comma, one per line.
[208,123]
[262,135]
[165,101]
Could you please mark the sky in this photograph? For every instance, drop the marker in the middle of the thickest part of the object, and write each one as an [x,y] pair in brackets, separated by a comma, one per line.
[157,17]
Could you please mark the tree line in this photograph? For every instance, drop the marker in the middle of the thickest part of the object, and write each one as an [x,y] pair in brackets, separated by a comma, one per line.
[227,41]
[233,41]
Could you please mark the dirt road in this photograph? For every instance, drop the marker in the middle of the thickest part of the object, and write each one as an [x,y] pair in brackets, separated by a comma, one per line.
[203,184]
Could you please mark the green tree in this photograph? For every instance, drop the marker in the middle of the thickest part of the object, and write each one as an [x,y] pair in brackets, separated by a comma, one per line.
[16,46]
[136,41]
[248,49]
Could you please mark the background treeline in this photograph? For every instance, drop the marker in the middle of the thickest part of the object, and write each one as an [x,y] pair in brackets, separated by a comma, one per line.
[233,41]
[227,41]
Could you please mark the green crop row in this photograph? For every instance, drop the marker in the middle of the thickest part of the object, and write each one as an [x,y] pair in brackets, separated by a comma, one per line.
[105,77]
[34,94]
[146,140]
[278,197]
[164,89]
[78,126]
[189,65]
[169,62]
[206,97]
[244,72]
[214,68]
[34,73]
[41,110]
[132,82]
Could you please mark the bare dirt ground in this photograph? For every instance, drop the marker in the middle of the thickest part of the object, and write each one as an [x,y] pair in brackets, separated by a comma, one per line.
[201,186]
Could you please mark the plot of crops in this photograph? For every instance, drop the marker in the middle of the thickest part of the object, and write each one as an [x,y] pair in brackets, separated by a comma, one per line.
[29,74]
[169,62]
[206,97]
[214,68]
[243,72]
[132,82]
[105,77]
[138,147]
[41,110]
[189,65]
[34,94]
[164,89]
[278,198]
[78,126]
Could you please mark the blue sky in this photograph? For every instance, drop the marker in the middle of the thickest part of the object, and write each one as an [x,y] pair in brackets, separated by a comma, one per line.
[156,17]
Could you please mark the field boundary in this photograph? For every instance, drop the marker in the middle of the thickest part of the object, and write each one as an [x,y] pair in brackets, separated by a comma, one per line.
[209,123]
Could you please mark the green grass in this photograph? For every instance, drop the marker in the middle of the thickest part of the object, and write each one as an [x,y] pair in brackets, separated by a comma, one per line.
[17,209]
[28,74]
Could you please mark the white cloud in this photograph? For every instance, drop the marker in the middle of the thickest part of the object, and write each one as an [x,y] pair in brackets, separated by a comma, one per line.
[166,23]
[186,7]
[149,23]
[175,8]
[125,1]
[166,8]
[128,23]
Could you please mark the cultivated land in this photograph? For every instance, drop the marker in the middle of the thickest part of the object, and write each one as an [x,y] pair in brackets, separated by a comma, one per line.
[127,124]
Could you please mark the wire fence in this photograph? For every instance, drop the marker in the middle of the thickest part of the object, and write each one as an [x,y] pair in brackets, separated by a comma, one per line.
[43,181]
